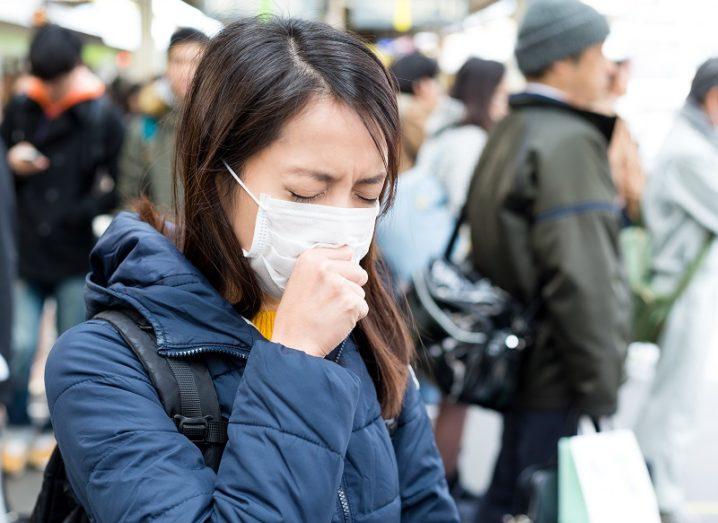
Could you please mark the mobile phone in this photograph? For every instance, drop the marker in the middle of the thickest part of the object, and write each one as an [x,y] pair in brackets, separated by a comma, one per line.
[29,154]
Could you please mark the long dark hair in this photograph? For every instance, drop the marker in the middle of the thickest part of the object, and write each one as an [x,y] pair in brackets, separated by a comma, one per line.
[254,76]
[475,85]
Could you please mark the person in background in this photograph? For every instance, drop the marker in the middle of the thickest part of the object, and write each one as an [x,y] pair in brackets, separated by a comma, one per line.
[63,138]
[148,154]
[433,192]
[126,96]
[419,95]
[480,96]
[623,155]
[544,222]
[682,217]
[8,272]
[458,131]
[8,268]
[430,194]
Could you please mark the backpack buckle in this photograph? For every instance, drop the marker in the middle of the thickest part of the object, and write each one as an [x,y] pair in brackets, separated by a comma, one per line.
[195,429]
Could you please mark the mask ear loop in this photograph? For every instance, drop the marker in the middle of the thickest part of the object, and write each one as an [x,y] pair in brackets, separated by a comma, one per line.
[241,183]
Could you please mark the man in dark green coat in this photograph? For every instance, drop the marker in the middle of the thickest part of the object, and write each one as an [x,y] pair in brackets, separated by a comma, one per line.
[545,219]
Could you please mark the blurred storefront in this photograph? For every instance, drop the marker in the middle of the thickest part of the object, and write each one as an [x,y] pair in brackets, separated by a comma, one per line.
[126,37]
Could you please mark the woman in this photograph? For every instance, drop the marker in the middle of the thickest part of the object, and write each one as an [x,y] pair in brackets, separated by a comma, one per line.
[288,141]
[431,194]
[480,86]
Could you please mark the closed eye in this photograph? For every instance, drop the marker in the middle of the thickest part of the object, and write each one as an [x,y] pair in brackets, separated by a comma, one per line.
[367,200]
[305,198]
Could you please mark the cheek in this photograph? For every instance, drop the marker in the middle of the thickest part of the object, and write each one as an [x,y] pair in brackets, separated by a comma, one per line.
[171,73]
[244,217]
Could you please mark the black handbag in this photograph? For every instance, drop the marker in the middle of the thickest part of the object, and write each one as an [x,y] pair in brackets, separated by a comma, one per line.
[473,332]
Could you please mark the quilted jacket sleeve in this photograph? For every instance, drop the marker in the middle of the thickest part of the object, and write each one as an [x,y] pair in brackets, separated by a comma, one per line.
[424,494]
[288,434]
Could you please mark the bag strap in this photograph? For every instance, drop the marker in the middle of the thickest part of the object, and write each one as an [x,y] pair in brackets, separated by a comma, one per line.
[185,387]
[693,267]
[534,305]
[460,220]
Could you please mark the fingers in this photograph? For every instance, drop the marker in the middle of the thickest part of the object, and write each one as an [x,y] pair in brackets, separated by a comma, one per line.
[335,261]
[41,163]
[348,270]
[354,302]
[351,297]
[344,253]
[362,309]
[356,289]
[24,159]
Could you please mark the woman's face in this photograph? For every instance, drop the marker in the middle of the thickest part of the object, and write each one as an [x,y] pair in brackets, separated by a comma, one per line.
[324,156]
[499,107]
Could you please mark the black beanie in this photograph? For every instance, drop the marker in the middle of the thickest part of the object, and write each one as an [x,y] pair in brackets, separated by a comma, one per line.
[411,68]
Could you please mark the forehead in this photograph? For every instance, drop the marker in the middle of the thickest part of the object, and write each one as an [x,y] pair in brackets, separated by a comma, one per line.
[330,135]
[185,51]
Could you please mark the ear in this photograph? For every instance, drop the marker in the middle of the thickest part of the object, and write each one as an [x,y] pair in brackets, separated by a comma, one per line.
[419,86]
[562,68]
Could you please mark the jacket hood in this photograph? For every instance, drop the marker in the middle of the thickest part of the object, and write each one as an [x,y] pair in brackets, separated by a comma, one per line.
[84,86]
[133,265]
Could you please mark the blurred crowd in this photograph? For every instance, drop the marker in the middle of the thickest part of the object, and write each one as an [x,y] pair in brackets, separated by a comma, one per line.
[545,180]
[74,149]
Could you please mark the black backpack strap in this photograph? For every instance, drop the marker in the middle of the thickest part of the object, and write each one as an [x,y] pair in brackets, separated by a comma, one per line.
[185,387]
[199,418]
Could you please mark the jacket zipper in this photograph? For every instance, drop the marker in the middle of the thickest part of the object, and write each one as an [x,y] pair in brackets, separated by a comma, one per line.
[239,353]
[183,353]
[341,349]
[344,502]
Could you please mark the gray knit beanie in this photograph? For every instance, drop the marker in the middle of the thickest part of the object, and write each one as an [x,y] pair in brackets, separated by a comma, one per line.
[552,30]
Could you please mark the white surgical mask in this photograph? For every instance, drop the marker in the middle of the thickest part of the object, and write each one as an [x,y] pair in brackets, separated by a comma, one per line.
[285,229]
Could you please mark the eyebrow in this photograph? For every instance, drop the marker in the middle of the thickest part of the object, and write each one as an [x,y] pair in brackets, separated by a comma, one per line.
[379,178]
[317,175]
[325,177]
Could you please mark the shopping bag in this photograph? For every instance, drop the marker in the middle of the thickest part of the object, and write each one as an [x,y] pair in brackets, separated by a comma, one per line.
[603,479]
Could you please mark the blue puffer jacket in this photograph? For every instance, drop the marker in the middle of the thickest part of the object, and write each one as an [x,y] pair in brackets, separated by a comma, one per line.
[307,442]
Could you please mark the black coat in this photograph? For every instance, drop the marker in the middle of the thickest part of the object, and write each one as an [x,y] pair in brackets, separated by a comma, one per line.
[56,207]
[8,260]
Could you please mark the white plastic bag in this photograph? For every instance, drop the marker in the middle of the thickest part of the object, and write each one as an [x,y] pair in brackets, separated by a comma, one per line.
[603,479]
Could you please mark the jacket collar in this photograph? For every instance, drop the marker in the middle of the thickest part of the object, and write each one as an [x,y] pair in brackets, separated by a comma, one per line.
[604,124]
[134,265]
[84,86]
